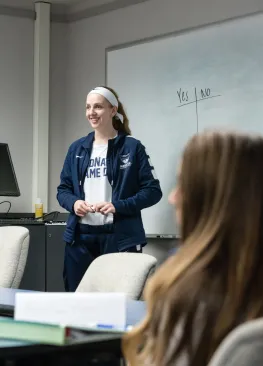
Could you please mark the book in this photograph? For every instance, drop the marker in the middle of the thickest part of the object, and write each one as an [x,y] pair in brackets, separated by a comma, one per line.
[52,334]
[34,332]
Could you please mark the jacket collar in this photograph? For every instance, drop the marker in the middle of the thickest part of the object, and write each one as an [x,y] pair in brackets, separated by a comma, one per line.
[88,141]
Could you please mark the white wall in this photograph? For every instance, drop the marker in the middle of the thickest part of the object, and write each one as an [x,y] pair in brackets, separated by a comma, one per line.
[58,107]
[89,38]
[16,102]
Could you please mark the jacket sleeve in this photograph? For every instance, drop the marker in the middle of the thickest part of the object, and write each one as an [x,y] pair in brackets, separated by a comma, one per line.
[65,195]
[150,191]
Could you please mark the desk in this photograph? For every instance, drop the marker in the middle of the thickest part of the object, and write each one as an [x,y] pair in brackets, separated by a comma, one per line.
[94,349]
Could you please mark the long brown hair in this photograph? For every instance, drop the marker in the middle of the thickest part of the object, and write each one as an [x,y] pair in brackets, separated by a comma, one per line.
[117,124]
[215,281]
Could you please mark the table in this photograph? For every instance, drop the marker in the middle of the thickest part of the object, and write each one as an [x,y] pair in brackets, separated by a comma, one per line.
[99,349]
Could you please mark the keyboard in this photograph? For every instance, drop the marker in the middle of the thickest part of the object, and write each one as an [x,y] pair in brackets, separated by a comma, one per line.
[8,222]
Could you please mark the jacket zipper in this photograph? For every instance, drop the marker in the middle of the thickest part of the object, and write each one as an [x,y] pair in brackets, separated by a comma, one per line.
[81,182]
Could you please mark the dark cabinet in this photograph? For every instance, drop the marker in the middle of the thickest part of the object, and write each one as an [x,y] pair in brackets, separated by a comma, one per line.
[34,277]
[45,260]
[54,257]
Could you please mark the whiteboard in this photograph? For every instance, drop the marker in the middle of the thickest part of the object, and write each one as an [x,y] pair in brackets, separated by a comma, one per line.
[175,86]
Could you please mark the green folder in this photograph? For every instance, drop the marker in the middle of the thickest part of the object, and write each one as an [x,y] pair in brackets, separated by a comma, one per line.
[33,332]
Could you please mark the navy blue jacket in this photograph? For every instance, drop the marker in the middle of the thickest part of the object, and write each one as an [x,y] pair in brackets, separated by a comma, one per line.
[130,175]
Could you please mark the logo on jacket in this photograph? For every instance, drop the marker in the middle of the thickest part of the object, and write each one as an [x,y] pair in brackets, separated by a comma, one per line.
[125,160]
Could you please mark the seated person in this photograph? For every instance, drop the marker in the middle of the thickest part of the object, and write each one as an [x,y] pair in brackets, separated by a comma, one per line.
[214,282]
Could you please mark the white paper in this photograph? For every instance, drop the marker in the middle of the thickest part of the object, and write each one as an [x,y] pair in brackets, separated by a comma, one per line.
[73,309]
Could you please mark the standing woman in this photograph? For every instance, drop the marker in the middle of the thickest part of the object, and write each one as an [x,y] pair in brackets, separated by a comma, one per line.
[106,181]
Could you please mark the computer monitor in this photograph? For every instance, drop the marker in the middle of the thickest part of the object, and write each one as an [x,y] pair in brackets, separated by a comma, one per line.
[8,181]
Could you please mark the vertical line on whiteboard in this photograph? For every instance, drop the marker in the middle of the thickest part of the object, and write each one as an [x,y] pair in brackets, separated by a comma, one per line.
[196,109]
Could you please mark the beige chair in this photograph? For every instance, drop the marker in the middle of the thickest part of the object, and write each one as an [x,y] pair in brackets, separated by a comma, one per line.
[119,272]
[14,242]
[241,347]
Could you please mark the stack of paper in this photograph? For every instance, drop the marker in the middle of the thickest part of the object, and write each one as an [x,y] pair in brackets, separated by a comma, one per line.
[101,310]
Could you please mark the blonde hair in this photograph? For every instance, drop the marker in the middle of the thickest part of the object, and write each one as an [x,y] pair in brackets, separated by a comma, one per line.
[216,277]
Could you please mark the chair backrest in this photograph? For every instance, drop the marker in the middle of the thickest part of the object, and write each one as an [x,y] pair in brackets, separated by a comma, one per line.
[119,272]
[242,347]
[14,242]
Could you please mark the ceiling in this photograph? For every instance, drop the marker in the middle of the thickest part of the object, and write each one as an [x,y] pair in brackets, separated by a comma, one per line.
[29,4]
[65,10]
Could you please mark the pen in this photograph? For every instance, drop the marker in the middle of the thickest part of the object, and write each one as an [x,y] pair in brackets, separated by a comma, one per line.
[110,326]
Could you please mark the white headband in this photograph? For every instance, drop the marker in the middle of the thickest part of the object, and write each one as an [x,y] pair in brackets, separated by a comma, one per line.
[106,93]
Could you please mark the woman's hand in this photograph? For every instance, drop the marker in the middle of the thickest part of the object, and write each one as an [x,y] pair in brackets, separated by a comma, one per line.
[81,208]
[104,208]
